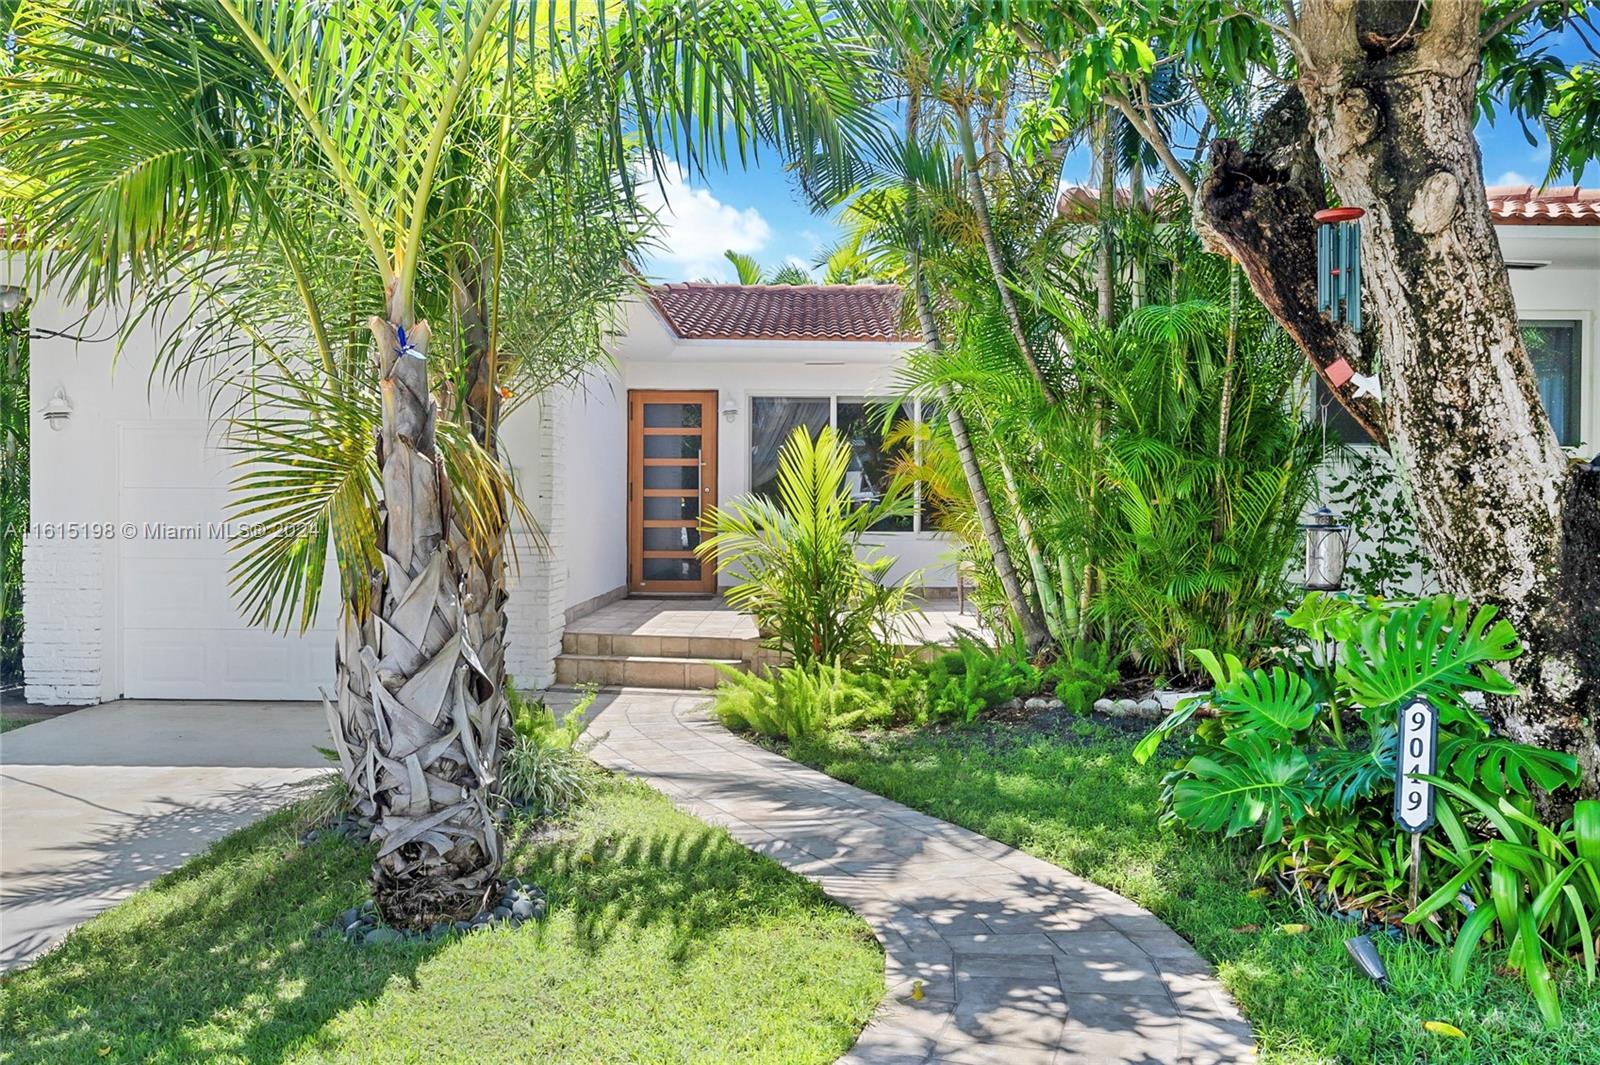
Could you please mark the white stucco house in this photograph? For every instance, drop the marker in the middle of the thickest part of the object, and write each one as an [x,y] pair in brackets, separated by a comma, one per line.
[124,598]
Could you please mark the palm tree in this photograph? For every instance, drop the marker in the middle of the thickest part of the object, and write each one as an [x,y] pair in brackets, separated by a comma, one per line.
[896,188]
[750,272]
[373,152]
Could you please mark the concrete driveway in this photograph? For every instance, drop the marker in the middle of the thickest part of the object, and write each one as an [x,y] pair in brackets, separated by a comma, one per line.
[98,803]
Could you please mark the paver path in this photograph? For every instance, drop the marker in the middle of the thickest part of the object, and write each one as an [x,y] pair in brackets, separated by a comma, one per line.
[1019,961]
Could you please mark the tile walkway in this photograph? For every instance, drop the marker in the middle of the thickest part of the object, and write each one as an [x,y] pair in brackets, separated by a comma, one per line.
[1020,962]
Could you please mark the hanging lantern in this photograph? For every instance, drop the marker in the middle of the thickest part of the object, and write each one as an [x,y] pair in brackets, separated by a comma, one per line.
[1326,542]
[1339,264]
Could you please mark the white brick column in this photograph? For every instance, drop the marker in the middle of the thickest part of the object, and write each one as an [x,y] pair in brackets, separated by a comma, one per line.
[63,597]
[536,612]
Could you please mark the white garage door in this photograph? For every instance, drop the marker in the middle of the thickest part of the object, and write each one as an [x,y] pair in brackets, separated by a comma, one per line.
[181,636]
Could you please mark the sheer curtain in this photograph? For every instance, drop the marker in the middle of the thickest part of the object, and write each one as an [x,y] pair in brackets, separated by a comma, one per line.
[1553,347]
[772,419]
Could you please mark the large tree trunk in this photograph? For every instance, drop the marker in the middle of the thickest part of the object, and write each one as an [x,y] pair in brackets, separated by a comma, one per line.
[415,717]
[1387,112]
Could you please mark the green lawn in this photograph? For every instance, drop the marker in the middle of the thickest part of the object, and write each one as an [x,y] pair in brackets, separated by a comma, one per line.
[666,942]
[1071,794]
[9,723]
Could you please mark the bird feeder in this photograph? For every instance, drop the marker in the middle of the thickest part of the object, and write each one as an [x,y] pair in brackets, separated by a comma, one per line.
[1339,264]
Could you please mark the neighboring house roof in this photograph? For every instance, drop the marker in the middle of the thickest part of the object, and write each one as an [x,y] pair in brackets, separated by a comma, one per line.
[1511,205]
[697,310]
[1525,205]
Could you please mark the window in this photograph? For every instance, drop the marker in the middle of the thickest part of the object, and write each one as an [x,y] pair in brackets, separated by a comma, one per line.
[871,471]
[1341,426]
[772,421]
[858,421]
[1555,348]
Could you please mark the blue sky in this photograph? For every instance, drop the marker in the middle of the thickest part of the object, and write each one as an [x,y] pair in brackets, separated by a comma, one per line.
[759,212]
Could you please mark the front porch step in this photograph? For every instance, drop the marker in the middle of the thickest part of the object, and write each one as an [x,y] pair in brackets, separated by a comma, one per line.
[631,645]
[642,671]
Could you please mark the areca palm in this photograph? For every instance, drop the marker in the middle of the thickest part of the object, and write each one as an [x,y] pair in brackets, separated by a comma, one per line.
[337,202]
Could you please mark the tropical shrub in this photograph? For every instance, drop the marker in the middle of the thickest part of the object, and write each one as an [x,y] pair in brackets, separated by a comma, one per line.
[1534,888]
[973,677]
[13,485]
[801,562]
[542,771]
[1275,754]
[800,701]
[1084,672]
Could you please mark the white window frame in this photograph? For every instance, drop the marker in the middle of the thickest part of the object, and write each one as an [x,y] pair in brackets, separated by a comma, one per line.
[1588,374]
[834,398]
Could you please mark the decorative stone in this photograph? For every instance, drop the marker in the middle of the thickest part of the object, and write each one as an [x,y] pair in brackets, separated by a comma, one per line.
[522,909]
[1105,706]
[1126,707]
[383,935]
[1150,707]
[1037,703]
[1170,698]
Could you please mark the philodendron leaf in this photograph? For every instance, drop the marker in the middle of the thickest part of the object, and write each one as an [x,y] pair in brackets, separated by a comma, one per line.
[1245,782]
[1276,703]
[1147,745]
[1504,766]
[1436,647]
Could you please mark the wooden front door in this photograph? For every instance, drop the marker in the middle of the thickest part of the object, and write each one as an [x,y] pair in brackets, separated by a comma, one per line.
[672,482]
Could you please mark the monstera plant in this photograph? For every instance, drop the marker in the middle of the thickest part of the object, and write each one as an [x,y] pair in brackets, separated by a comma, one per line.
[1304,750]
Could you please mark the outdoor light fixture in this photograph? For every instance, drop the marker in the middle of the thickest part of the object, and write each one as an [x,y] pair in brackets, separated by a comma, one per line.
[1364,953]
[1326,541]
[59,410]
[730,408]
[10,298]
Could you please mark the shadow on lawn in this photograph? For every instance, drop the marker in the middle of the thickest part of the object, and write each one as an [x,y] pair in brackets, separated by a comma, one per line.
[694,881]
[224,956]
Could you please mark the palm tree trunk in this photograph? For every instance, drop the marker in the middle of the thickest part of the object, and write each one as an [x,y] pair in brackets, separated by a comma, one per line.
[1105,279]
[1226,414]
[991,247]
[415,717]
[1034,633]
[1105,285]
[1049,604]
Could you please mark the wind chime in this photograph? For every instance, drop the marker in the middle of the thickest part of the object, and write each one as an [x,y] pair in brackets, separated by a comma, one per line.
[1338,297]
[1339,264]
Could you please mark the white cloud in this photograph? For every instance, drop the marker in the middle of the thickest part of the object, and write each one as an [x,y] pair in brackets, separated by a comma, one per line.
[696,228]
[1511,177]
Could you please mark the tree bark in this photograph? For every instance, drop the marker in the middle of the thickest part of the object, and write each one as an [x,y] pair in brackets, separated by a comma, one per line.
[416,715]
[1387,110]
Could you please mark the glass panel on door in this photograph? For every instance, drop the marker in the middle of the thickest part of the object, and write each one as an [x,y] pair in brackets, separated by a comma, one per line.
[671,481]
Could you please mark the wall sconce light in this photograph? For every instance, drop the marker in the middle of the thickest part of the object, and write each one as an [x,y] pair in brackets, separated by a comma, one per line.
[11,297]
[59,410]
[1327,540]
[730,408]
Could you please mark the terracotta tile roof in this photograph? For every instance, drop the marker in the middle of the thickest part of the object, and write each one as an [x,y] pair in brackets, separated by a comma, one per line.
[1525,205]
[703,311]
